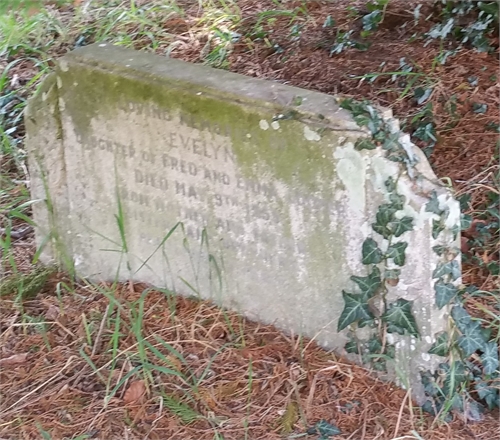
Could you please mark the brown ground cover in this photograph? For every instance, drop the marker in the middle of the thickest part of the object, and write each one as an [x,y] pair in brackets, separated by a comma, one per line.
[236,379]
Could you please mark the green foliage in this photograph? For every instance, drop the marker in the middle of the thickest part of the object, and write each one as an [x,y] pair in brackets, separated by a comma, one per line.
[400,319]
[371,21]
[344,40]
[449,268]
[26,285]
[469,339]
[370,284]
[397,253]
[371,253]
[355,309]
[445,292]
[364,144]
[402,225]
[472,339]
[324,429]
[467,22]
[441,346]
[489,358]
[433,204]
[371,303]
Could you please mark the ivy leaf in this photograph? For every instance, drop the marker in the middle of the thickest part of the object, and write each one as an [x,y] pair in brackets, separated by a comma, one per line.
[351,346]
[366,322]
[375,345]
[325,429]
[397,201]
[441,345]
[384,231]
[433,204]
[385,214]
[461,317]
[370,284]
[489,358]
[472,339]
[390,184]
[390,351]
[398,156]
[364,144]
[450,268]
[391,142]
[422,95]
[396,251]
[371,253]
[356,307]
[445,292]
[465,221]
[380,136]
[402,225]
[437,228]
[487,393]
[440,250]
[429,383]
[400,315]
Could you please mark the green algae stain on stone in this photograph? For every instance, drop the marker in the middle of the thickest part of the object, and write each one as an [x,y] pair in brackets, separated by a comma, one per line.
[286,149]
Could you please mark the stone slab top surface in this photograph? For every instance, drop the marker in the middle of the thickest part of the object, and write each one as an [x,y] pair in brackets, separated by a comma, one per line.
[319,109]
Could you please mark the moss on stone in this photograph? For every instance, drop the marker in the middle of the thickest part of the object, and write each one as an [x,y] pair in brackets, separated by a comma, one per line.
[284,153]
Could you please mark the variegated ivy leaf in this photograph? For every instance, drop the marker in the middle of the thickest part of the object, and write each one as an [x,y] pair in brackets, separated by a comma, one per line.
[370,284]
[400,226]
[472,339]
[445,292]
[371,253]
[396,251]
[441,346]
[355,308]
[400,315]
[489,358]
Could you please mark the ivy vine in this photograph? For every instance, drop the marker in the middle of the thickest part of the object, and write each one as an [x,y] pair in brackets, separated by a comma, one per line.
[383,256]
[469,377]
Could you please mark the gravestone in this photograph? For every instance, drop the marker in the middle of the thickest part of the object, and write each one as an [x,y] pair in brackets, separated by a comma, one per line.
[254,194]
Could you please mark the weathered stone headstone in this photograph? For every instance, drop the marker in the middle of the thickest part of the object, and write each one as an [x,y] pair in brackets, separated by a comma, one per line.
[275,203]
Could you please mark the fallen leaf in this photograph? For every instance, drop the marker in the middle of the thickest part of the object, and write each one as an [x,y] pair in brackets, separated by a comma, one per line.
[15,359]
[52,312]
[174,362]
[135,392]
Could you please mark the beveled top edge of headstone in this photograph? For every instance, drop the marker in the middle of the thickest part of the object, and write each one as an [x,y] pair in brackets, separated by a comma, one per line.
[322,109]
